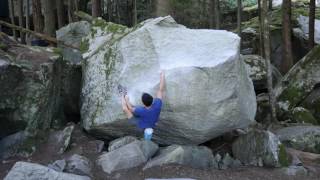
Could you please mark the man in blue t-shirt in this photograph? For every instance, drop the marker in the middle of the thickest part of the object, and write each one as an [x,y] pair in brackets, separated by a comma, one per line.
[145,116]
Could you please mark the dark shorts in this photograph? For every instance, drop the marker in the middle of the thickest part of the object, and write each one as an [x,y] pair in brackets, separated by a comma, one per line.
[134,120]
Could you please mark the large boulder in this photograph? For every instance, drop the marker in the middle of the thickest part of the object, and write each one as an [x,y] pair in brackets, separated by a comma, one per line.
[30,87]
[194,156]
[131,155]
[69,41]
[298,84]
[31,171]
[208,91]
[260,148]
[304,138]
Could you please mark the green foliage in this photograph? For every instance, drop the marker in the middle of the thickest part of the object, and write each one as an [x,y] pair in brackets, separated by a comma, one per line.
[276,18]
[231,5]
[180,4]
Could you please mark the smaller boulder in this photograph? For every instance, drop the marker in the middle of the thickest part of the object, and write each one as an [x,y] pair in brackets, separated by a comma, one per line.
[117,143]
[10,145]
[61,139]
[93,147]
[259,148]
[30,171]
[194,156]
[304,138]
[80,165]
[229,162]
[294,171]
[58,165]
[127,156]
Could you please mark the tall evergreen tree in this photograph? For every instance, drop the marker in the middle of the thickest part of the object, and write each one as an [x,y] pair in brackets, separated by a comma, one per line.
[239,4]
[312,14]
[49,17]
[96,8]
[266,32]
[11,12]
[61,13]
[217,13]
[287,59]
[21,17]
[37,16]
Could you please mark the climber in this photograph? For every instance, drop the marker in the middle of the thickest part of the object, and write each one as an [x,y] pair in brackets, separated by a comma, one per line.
[146,116]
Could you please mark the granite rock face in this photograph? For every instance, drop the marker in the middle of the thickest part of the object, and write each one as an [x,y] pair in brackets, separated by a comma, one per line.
[208,91]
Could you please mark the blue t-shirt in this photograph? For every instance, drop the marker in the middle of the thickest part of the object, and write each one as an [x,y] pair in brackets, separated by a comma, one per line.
[148,117]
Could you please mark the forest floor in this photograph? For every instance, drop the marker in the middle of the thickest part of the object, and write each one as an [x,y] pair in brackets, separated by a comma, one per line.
[44,155]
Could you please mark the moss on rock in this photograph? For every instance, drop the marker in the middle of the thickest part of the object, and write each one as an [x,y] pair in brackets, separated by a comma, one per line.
[302,115]
[283,157]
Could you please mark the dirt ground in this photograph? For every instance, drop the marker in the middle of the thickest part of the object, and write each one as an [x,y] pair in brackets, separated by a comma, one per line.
[44,155]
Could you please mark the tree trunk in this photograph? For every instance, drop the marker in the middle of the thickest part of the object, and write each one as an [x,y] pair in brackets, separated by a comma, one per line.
[76,8]
[49,18]
[61,13]
[37,16]
[118,12]
[70,11]
[239,4]
[217,13]
[211,14]
[312,13]
[96,8]
[134,12]
[261,48]
[11,11]
[266,32]
[109,10]
[287,61]
[27,18]
[83,5]
[270,5]
[21,24]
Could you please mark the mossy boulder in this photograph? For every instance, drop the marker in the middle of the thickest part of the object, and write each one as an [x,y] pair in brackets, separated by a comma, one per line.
[304,138]
[312,102]
[260,148]
[298,84]
[30,87]
[302,115]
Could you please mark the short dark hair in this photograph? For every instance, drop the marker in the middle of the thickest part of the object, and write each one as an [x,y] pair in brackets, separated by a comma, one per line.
[147,99]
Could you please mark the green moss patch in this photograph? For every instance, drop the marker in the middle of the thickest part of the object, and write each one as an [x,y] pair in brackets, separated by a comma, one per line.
[283,157]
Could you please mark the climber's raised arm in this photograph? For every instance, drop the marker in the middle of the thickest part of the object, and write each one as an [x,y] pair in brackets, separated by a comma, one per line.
[160,92]
[129,105]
